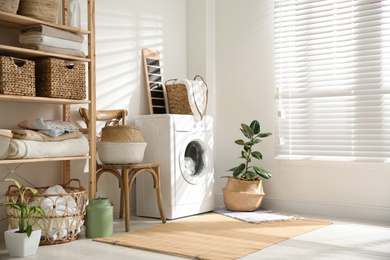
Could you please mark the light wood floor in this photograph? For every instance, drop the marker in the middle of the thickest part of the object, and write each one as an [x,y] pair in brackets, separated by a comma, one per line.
[345,239]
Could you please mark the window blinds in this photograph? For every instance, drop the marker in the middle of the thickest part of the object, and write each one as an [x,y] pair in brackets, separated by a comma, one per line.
[332,76]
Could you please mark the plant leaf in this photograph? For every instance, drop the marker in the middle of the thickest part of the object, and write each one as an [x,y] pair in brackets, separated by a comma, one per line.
[33,191]
[40,211]
[239,170]
[16,183]
[250,175]
[262,173]
[29,230]
[257,155]
[248,129]
[253,142]
[244,155]
[240,142]
[255,126]
[262,135]
[247,135]
[232,169]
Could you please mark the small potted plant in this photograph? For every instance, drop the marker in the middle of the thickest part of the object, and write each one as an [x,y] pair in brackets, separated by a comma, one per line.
[23,241]
[244,189]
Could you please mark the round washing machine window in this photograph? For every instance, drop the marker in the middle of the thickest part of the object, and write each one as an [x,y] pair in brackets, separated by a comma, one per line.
[194,160]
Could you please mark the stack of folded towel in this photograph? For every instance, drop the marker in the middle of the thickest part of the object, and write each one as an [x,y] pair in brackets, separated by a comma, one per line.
[41,139]
[45,38]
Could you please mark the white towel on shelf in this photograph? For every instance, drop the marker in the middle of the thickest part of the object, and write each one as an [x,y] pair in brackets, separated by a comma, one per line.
[37,149]
[39,39]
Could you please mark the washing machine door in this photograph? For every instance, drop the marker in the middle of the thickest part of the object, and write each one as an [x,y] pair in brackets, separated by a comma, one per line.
[195,158]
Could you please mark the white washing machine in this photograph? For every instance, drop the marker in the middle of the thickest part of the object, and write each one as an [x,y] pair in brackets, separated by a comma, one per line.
[184,149]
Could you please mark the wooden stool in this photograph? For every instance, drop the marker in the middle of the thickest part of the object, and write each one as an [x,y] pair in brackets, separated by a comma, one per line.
[126,179]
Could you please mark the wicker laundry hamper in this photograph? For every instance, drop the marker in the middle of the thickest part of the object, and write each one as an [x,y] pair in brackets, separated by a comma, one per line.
[57,228]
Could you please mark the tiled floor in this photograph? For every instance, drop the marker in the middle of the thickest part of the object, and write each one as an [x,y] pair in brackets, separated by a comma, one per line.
[345,239]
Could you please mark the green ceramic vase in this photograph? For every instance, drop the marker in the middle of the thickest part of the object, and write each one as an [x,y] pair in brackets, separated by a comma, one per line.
[99,218]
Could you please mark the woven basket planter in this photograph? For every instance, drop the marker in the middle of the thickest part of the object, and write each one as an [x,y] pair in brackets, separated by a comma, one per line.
[65,225]
[242,195]
[46,10]
[17,77]
[56,79]
[122,134]
[9,6]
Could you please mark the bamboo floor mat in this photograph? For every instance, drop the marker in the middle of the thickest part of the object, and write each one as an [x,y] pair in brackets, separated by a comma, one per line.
[212,236]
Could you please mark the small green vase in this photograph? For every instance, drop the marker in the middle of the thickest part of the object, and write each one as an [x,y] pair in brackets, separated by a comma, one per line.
[99,218]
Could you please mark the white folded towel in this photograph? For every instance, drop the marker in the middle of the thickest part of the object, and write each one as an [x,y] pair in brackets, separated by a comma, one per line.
[39,39]
[38,149]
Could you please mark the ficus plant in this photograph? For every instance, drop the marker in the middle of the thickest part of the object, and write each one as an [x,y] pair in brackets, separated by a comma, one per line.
[244,171]
[27,213]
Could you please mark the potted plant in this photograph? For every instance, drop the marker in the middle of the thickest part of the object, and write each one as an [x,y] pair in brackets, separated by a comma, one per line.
[23,241]
[244,189]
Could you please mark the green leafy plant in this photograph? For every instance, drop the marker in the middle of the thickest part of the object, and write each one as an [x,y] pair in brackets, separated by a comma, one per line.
[27,212]
[244,171]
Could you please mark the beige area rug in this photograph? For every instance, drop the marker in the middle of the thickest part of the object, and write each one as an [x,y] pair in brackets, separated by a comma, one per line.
[213,236]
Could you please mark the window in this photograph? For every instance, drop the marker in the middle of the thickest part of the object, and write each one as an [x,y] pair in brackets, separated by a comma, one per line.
[332,76]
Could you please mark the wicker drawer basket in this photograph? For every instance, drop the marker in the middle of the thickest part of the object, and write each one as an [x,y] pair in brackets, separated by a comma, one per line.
[17,77]
[46,10]
[57,79]
[9,6]
[57,228]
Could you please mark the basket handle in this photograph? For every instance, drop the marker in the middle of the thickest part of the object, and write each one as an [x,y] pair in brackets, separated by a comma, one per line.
[207,98]
[9,188]
[80,187]
[169,80]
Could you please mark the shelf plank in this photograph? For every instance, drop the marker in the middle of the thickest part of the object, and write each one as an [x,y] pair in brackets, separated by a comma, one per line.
[24,53]
[42,100]
[70,158]
[16,21]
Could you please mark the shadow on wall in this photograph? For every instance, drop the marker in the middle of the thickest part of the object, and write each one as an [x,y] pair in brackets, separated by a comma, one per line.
[120,38]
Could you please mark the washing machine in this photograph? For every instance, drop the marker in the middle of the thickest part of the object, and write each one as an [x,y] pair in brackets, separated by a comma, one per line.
[183,147]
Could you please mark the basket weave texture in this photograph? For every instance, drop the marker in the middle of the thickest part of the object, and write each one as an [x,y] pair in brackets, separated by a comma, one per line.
[122,134]
[240,195]
[69,222]
[9,6]
[178,99]
[56,79]
[17,77]
[46,10]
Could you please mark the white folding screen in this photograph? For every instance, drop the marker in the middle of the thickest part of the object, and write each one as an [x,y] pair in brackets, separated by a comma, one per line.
[332,76]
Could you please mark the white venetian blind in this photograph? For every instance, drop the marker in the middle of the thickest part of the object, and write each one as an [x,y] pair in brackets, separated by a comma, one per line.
[332,75]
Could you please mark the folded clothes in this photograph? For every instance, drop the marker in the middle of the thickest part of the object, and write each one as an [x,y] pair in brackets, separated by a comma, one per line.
[35,40]
[25,134]
[51,31]
[50,128]
[56,50]
[38,149]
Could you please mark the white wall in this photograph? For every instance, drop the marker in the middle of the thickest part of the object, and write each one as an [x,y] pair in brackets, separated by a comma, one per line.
[245,91]
[123,28]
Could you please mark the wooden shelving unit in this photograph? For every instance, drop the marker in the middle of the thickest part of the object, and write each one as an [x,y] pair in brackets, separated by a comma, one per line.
[16,21]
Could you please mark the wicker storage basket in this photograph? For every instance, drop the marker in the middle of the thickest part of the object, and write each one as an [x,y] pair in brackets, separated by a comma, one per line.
[9,6]
[46,10]
[122,134]
[178,102]
[177,98]
[17,76]
[57,228]
[56,79]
